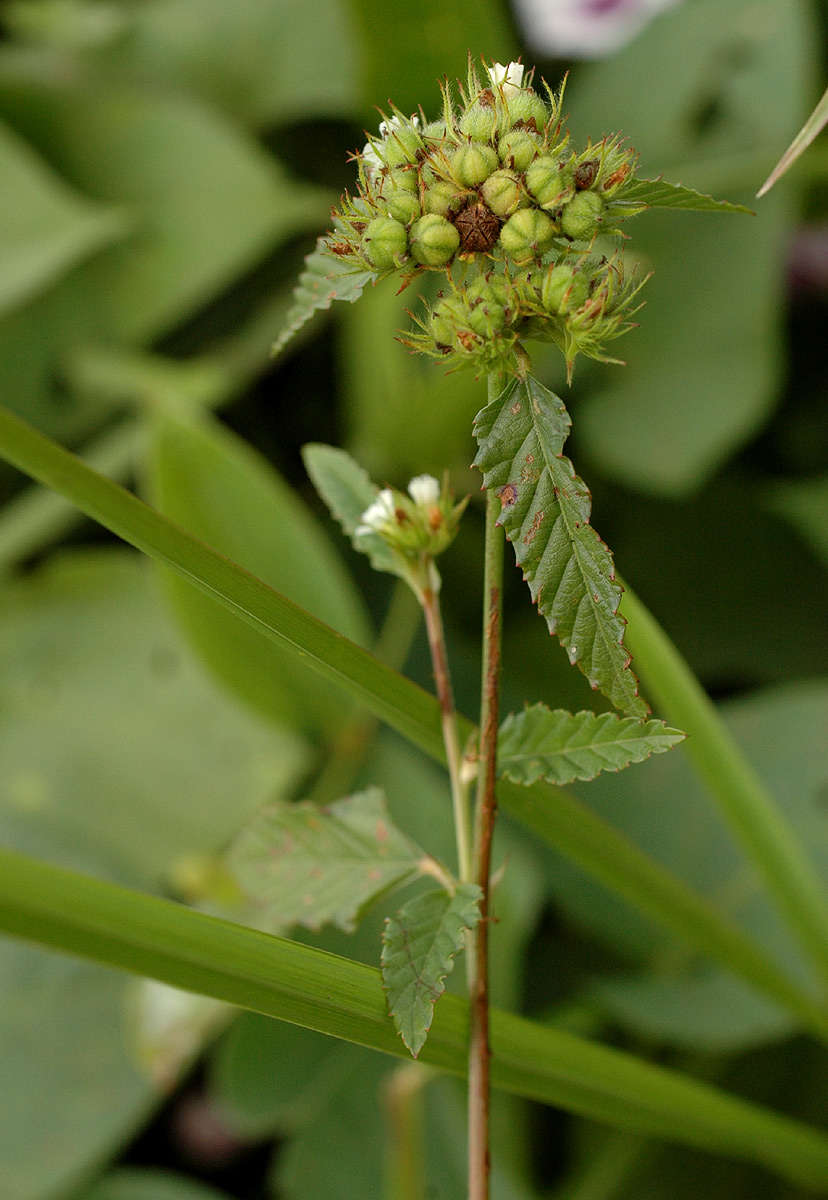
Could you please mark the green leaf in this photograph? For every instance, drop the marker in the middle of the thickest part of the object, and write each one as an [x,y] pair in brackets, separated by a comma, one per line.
[138,1183]
[658,193]
[219,488]
[45,227]
[804,503]
[419,946]
[207,199]
[555,816]
[705,367]
[560,747]
[545,513]
[145,934]
[324,279]
[305,865]
[813,126]
[348,491]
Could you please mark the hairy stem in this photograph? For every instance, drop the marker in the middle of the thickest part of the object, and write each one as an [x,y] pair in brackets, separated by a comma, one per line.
[451,737]
[485,810]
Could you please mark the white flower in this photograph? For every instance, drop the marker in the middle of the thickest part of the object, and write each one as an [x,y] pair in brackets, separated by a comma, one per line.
[378,514]
[387,127]
[585,28]
[371,160]
[424,490]
[509,78]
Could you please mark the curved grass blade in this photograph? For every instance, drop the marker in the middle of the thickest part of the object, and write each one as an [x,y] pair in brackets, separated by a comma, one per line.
[545,512]
[98,920]
[560,747]
[419,946]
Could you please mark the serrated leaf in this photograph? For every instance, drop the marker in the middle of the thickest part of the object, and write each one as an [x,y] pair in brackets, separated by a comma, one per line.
[658,193]
[545,514]
[559,746]
[324,279]
[419,945]
[305,865]
[347,490]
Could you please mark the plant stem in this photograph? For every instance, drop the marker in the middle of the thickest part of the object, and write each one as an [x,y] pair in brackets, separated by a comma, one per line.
[485,810]
[749,809]
[405,1157]
[451,737]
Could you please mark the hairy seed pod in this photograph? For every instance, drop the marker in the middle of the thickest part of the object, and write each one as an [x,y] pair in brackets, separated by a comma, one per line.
[384,243]
[526,107]
[526,235]
[434,241]
[581,217]
[472,163]
[403,207]
[518,148]
[442,198]
[478,228]
[401,146]
[548,180]
[479,122]
[503,193]
[563,289]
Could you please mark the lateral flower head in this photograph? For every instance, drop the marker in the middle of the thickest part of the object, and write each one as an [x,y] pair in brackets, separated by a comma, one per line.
[416,528]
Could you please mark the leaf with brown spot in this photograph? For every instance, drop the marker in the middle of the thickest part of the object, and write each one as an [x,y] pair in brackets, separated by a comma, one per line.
[546,517]
[304,865]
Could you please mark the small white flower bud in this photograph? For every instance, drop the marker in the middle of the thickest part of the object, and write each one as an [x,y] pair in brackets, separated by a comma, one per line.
[424,490]
[378,514]
[509,78]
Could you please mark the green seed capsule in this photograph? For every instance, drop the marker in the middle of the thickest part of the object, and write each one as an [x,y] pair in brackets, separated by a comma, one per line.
[384,243]
[503,193]
[434,240]
[582,216]
[526,105]
[563,290]
[399,180]
[403,207]
[548,180]
[401,146]
[479,122]
[472,163]
[442,197]
[486,314]
[527,234]
[518,148]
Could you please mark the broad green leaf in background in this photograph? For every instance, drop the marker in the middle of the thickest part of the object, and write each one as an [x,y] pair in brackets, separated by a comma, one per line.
[45,227]
[304,865]
[220,489]
[405,52]
[206,200]
[804,503]
[137,1183]
[348,491]
[262,61]
[725,86]
[782,731]
[545,512]
[119,758]
[558,746]
[419,946]
[404,414]
[323,280]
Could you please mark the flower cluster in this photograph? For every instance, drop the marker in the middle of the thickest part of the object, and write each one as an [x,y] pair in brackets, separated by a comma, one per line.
[415,528]
[494,195]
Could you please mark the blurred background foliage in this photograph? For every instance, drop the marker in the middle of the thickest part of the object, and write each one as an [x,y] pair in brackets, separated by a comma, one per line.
[164,167]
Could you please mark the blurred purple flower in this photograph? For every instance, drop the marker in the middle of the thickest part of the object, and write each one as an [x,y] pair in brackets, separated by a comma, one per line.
[584,28]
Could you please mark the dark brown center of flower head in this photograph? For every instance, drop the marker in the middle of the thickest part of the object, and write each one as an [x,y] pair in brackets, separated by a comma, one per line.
[478,227]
